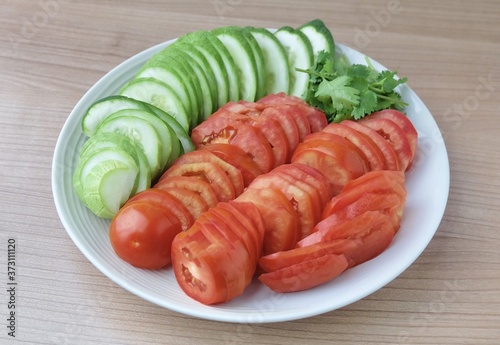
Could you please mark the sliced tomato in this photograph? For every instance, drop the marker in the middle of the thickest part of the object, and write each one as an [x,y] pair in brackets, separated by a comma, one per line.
[403,122]
[207,171]
[306,274]
[379,181]
[391,132]
[195,204]
[199,186]
[300,119]
[390,156]
[281,221]
[199,272]
[333,227]
[314,178]
[289,125]
[243,107]
[248,212]
[301,201]
[339,163]
[370,151]
[235,156]
[141,234]
[200,156]
[167,201]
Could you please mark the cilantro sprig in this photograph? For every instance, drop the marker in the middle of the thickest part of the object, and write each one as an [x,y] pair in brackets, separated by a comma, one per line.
[347,91]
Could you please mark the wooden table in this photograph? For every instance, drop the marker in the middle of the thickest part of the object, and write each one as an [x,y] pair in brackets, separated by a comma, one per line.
[53,51]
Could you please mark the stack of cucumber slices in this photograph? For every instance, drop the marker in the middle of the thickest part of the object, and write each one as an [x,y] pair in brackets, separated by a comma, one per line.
[136,135]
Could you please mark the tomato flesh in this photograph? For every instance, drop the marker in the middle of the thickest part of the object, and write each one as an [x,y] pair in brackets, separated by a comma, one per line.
[199,186]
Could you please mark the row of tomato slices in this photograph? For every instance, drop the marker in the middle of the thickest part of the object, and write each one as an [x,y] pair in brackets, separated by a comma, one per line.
[271,189]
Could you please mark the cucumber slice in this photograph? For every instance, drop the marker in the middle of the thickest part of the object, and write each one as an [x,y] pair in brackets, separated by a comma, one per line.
[140,130]
[275,61]
[159,94]
[161,128]
[319,35]
[182,136]
[258,55]
[172,74]
[105,180]
[199,40]
[210,90]
[120,141]
[99,110]
[230,65]
[242,54]
[300,55]
[207,96]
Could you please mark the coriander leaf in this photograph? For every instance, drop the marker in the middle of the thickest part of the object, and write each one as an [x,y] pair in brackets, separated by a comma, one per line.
[367,104]
[338,94]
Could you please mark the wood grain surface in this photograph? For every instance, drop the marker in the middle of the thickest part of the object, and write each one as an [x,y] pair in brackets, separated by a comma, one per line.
[53,51]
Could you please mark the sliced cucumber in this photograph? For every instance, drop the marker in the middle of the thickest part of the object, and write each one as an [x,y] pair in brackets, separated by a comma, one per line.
[275,61]
[105,180]
[184,139]
[99,110]
[199,40]
[161,128]
[120,141]
[241,52]
[140,130]
[300,55]
[258,55]
[174,75]
[159,94]
[319,35]
[210,90]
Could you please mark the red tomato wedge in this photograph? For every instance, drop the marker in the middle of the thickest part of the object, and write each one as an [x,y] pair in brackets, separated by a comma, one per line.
[200,156]
[391,132]
[199,270]
[281,221]
[403,122]
[141,233]
[306,274]
[235,156]
[372,154]
[333,228]
[207,171]
[193,201]
[199,186]
[167,201]
[390,156]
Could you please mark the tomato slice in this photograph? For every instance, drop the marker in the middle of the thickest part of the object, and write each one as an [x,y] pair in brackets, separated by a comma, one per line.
[199,272]
[333,227]
[300,119]
[167,201]
[235,156]
[391,132]
[403,122]
[201,187]
[251,218]
[141,233]
[221,129]
[372,154]
[243,107]
[281,221]
[390,156]
[199,156]
[301,201]
[195,204]
[306,274]
[207,171]
[379,181]
[341,163]
[286,121]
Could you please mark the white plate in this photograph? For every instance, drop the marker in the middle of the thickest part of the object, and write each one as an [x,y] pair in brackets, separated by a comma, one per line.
[427,182]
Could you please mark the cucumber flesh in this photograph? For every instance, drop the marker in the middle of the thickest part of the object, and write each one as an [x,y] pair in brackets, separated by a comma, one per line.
[239,48]
[275,61]
[120,141]
[159,94]
[300,55]
[100,109]
[258,55]
[142,132]
[319,35]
